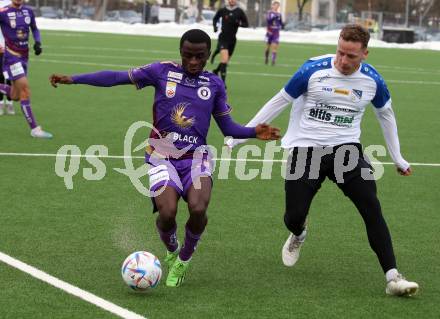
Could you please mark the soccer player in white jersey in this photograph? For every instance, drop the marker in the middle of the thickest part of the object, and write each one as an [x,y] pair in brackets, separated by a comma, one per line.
[329,96]
[5,106]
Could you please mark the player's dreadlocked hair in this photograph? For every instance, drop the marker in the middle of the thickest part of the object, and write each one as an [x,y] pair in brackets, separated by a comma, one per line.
[196,36]
[355,33]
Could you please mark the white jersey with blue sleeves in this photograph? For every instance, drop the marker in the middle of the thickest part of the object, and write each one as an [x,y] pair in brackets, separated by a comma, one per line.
[328,106]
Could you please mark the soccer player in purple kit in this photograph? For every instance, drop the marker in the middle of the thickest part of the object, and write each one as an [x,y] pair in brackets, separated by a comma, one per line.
[186,97]
[16,20]
[274,25]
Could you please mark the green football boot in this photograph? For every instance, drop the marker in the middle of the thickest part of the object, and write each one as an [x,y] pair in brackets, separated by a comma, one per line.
[171,257]
[177,273]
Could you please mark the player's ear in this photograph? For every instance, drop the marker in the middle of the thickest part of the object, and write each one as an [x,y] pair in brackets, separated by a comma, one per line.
[365,54]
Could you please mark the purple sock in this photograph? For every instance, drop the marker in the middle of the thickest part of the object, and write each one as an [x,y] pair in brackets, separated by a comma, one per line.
[27,111]
[5,89]
[190,245]
[274,57]
[169,238]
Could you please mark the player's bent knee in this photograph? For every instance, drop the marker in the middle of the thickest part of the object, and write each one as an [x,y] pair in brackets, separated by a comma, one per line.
[25,94]
[167,211]
[197,208]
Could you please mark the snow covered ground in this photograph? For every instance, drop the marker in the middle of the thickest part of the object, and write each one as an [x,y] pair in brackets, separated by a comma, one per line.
[176,30]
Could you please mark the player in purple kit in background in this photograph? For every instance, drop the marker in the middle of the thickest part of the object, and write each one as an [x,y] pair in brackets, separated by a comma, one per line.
[274,25]
[186,97]
[7,107]
[16,21]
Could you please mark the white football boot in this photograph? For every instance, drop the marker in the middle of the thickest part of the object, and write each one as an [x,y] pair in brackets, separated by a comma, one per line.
[291,249]
[399,286]
[39,133]
[10,108]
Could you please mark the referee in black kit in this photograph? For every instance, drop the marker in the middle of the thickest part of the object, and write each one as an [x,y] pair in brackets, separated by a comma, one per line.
[232,17]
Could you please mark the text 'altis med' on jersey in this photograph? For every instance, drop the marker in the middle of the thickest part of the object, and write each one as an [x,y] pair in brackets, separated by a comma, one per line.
[327,105]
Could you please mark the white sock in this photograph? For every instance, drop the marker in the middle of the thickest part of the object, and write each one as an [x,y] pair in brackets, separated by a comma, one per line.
[302,236]
[391,274]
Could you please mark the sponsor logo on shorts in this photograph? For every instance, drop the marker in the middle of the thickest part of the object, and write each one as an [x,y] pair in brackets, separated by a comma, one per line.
[16,69]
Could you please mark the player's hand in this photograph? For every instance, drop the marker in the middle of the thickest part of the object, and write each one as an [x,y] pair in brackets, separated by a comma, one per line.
[407,172]
[37,48]
[2,50]
[267,132]
[56,79]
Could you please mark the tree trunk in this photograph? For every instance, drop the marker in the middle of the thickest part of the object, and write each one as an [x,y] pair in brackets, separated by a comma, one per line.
[300,4]
[199,8]
[251,13]
[101,9]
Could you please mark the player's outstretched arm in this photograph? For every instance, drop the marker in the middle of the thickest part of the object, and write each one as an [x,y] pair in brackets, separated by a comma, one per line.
[387,121]
[266,114]
[261,131]
[101,79]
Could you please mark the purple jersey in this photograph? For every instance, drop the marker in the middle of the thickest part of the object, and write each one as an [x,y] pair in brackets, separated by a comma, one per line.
[15,25]
[183,103]
[274,21]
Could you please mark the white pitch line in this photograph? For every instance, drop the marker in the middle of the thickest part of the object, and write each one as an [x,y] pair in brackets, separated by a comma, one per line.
[85,295]
[215,159]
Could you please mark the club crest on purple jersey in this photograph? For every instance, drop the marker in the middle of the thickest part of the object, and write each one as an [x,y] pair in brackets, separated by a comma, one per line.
[170,89]
[204,93]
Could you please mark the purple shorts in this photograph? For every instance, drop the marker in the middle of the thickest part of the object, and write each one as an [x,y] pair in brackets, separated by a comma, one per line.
[14,67]
[177,173]
[273,37]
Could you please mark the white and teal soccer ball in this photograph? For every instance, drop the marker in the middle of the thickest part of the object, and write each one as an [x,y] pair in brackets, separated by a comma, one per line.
[141,271]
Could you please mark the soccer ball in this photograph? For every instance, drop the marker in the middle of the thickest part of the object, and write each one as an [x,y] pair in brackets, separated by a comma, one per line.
[141,271]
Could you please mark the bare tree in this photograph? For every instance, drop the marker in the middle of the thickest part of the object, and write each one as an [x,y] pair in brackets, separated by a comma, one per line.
[300,5]
[100,9]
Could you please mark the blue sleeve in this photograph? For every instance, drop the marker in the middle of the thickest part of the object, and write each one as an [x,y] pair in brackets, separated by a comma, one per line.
[382,94]
[298,84]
